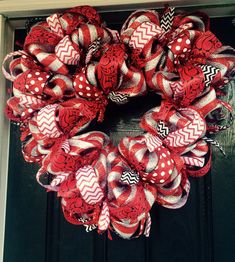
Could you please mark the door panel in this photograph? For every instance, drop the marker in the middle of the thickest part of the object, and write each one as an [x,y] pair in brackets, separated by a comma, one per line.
[26,209]
[223,169]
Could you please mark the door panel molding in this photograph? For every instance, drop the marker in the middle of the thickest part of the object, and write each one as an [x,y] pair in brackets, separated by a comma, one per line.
[6,45]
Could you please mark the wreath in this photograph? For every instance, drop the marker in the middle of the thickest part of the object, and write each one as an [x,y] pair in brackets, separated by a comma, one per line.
[72,65]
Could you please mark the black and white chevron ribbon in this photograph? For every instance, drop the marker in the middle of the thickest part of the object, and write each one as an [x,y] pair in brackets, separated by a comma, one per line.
[130,177]
[92,49]
[162,129]
[214,143]
[88,228]
[230,122]
[167,19]
[209,73]
[118,98]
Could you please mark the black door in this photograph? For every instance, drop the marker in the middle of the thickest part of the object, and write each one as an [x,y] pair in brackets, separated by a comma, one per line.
[203,230]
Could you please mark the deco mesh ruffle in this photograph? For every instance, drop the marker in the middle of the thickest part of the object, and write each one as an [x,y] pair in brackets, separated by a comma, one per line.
[72,65]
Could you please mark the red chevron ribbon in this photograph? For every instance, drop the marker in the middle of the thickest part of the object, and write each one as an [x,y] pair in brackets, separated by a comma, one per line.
[143,34]
[88,185]
[153,142]
[66,51]
[188,134]
[55,25]
[194,161]
[31,102]
[46,120]
[59,179]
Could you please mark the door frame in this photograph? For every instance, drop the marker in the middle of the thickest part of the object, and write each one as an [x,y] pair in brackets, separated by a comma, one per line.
[13,14]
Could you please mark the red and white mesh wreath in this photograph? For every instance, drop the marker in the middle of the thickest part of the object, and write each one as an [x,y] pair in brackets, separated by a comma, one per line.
[72,66]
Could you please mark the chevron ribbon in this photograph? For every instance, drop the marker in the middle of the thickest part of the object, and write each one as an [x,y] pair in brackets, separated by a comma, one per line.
[214,143]
[90,228]
[190,133]
[28,101]
[130,177]
[143,34]
[59,179]
[209,73]
[88,185]
[148,225]
[104,218]
[162,129]
[66,52]
[167,19]
[152,142]
[194,161]
[55,25]
[92,49]
[178,90]
[118,98]
[46,121]
[65,146]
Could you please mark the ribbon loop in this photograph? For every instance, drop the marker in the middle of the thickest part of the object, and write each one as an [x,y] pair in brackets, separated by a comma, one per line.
[66,52]
[47,123]
[144,33]
[55,25]
[87,183]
